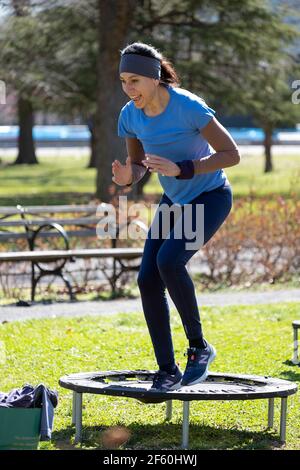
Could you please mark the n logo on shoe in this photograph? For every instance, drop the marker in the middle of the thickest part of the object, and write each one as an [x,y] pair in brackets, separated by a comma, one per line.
[168,382]
[203,359]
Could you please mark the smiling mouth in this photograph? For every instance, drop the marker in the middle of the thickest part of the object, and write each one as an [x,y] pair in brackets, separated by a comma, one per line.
[136,99]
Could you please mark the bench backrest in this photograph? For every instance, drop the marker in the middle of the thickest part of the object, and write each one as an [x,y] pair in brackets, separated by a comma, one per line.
[17,223]
[21,223]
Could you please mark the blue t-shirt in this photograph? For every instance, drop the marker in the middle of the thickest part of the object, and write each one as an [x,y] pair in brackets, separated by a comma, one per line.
[175,134]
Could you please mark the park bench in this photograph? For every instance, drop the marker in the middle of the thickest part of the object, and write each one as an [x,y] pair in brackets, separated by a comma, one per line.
[45,234]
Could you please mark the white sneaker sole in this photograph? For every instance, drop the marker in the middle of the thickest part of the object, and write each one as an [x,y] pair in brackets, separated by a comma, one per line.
[176,386]
[204,376]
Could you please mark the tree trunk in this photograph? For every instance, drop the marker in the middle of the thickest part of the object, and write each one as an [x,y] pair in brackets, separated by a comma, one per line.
[93,155]
[268,148]
[26,149]
[115,19]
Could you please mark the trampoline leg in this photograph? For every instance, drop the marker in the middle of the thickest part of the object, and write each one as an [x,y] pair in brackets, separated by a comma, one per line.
[271,413]
[283,412]
[169,410]
[74,408]
[185,425]
[78,414]
[295,359]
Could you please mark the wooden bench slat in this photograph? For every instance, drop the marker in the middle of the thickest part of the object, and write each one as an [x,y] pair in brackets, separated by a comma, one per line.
[5,236]
[66,254]
[39,222]
[11,210]
[71,233]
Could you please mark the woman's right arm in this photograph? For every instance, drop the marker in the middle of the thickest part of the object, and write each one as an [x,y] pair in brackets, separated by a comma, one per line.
[133,170]
[136,153]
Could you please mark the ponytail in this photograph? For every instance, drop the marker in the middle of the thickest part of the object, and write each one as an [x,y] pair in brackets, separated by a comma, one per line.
[168,73]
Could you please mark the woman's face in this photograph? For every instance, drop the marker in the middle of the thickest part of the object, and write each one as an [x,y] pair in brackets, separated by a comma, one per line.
[139,88]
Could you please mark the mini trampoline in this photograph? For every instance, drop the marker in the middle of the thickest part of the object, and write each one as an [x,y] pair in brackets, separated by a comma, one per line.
[137,383]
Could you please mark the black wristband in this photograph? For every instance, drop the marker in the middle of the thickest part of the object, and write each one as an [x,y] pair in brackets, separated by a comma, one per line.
[187,170]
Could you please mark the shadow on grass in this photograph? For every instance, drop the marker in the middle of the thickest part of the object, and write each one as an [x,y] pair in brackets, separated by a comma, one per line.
[293,375]
[168,436]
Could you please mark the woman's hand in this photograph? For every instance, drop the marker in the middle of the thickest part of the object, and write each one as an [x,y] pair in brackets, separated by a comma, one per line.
[161,165]
[122,174]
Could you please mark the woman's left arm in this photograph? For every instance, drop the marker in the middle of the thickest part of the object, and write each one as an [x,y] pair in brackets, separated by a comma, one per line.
[227,153]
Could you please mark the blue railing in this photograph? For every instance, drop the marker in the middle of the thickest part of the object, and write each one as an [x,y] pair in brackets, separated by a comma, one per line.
[80,135]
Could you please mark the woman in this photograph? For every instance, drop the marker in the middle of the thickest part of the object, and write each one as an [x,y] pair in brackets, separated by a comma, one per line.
[173,132]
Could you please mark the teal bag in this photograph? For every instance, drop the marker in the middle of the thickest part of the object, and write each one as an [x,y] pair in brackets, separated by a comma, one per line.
[20,428]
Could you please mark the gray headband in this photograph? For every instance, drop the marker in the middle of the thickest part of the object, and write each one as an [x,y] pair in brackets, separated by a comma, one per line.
[135,63]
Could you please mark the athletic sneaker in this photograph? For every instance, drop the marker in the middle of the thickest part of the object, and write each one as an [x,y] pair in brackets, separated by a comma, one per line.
[199,360]
[163,382]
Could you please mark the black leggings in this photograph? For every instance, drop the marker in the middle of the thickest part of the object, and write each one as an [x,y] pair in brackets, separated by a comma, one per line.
[163,265]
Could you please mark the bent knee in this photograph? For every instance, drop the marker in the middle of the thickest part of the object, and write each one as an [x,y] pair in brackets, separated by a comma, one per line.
[165,264]
[146,279]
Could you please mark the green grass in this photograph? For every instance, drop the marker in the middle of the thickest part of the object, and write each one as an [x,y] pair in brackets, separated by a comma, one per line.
[249,340]
[65,179]
[55,180]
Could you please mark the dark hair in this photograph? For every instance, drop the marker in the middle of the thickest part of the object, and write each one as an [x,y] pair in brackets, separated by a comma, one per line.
[168,73]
